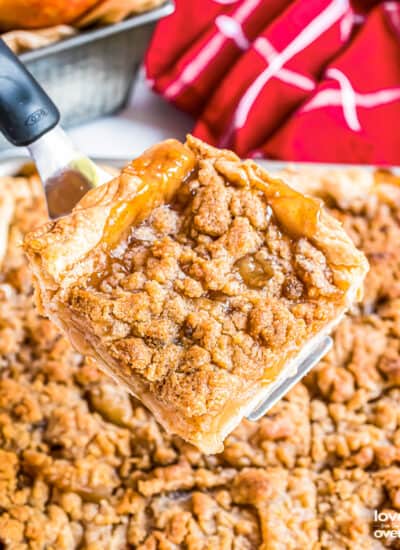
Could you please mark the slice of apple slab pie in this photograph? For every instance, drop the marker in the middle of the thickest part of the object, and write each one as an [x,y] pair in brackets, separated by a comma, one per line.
[195,279]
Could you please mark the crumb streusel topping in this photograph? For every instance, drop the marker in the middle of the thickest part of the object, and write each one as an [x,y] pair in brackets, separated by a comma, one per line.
[84,465]
[202,299]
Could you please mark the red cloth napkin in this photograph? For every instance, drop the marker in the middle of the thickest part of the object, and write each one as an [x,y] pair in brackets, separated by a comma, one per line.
[298,80]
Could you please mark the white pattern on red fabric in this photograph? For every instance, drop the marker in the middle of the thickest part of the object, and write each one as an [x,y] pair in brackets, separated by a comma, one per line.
[230,28]
[268,52]
[200,61]
[348,99]
[330,15]
[226,2]
[246,100]
[391,6]
[348,96]
[359,19]
[346,25]
[393,11]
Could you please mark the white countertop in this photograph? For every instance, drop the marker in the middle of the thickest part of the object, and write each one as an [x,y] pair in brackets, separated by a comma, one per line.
[147,120]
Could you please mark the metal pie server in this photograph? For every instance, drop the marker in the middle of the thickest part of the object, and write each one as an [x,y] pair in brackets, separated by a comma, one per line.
[302,366]
[29,118]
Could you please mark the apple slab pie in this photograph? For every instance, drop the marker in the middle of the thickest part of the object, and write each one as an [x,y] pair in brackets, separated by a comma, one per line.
[195,279]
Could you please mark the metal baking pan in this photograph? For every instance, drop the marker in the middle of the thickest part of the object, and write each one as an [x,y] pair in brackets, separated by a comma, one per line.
[91,74]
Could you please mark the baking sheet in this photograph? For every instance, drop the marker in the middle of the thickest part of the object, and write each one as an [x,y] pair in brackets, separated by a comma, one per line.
[92,73]
[12,159]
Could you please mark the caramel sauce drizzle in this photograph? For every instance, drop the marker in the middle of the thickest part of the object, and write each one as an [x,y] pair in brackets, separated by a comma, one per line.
[159,172]
[384,175]
[297,214]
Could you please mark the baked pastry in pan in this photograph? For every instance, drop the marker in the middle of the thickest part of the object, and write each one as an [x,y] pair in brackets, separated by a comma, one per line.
[195,279]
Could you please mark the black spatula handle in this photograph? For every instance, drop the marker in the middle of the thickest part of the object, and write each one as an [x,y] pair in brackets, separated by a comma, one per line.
[26,111]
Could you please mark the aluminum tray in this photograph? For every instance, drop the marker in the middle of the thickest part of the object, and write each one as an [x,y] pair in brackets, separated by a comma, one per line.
[91,74]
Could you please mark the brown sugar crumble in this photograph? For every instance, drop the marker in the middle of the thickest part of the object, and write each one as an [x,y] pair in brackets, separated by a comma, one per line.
[85,466]
[199,302]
